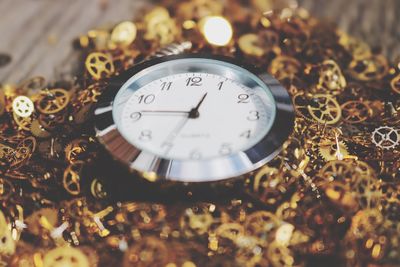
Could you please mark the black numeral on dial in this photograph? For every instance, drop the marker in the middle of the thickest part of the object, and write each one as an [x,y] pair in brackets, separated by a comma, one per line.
[147,99]
[246,134]
[135,116]
[253,116]
[225,149]
[194,81]
[145,135]
[220,84]
[195,154]
[243,98]
[165,86]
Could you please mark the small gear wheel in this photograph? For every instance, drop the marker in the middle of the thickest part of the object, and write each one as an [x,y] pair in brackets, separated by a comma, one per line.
[77,149]
[330,150]
[65,256]
[7,243]
[149,252]
[385,137]
[46,218]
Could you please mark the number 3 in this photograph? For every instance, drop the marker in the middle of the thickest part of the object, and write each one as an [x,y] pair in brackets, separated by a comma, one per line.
[253,116]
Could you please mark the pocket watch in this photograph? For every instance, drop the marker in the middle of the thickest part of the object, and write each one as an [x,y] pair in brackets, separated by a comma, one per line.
[193,118]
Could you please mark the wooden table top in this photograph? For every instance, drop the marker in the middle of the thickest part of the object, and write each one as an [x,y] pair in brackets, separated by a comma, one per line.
[38,34]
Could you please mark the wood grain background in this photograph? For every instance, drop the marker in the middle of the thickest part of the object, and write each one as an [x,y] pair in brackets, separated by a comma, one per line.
[38,33]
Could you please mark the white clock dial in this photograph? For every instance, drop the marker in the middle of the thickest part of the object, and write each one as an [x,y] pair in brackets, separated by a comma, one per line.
[195,116]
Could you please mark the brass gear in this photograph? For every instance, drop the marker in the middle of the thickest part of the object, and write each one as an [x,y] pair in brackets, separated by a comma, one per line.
[8,245]
[65,256]
[6,189]
[154,251]
[355,111]
[324,109]
[331,79]
[23,123]
[53,101]
[46,218]
[99,65]
[77,149]
[72,178]
[38,130]
[24,151]
[395,84]
[328,150]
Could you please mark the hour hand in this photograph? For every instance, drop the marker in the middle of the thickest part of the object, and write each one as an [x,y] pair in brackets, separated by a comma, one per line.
[194,112]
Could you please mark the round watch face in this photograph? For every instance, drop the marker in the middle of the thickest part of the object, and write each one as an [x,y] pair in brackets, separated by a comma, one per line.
[193,118]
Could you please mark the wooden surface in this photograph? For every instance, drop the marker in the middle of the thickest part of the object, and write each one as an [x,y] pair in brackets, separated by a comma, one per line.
[375,21]
[38,33]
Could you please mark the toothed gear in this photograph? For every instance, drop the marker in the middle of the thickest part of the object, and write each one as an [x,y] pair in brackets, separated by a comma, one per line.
[385,137]
[328,150]
[80,148]
[75,149]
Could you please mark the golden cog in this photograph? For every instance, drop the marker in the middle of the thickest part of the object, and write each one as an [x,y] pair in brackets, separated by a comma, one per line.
[330,150]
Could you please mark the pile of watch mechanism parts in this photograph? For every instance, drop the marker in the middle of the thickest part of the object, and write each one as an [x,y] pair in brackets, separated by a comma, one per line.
[331,197]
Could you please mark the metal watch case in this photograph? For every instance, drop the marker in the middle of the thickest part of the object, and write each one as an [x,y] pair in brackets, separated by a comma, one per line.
[156,168]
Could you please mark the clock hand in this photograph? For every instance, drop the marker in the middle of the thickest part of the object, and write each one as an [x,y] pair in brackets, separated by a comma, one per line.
[174,133]
[201,101]
[194,112]
[165,112]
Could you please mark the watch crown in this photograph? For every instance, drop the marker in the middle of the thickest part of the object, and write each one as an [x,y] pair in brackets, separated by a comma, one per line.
[172,49]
